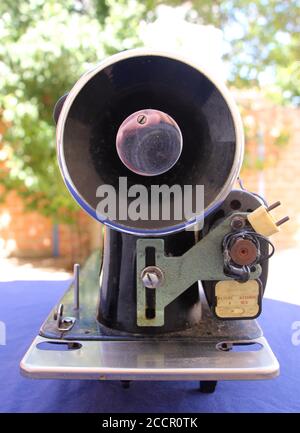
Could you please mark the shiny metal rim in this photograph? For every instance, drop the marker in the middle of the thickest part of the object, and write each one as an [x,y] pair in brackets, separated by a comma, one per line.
[238,159]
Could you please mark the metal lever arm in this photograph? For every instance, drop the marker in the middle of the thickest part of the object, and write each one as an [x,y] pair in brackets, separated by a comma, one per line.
[204,261]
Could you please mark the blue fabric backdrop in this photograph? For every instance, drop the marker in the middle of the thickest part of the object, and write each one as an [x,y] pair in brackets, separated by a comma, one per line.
[25,304]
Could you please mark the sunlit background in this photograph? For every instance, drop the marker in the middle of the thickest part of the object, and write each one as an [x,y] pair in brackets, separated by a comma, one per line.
[45,45]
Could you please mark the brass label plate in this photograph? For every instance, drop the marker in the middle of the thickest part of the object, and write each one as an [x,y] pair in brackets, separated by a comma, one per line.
[237,300]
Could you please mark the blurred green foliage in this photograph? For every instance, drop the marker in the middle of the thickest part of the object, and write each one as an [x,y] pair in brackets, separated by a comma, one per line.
[263,37]
[47,45]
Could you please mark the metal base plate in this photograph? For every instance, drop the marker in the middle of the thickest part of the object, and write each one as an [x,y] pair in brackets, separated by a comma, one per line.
[148,360]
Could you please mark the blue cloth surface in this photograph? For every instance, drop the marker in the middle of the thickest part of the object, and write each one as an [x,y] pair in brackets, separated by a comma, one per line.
[24,306]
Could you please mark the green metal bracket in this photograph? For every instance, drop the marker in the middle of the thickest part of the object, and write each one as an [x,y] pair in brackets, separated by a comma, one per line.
[204,261]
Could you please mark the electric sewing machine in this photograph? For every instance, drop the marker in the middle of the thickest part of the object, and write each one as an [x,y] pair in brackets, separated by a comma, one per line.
[151,146]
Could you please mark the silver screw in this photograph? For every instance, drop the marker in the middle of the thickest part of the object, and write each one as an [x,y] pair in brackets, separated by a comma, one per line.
[152,277]
[141,119]
[68,320]
[237,223]
[150,280]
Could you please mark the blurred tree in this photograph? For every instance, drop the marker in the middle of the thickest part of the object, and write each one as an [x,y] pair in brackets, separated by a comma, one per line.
[46,45]
[263,40]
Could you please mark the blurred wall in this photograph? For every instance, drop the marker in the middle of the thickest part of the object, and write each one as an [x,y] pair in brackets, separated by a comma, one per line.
[275,146]
[29,234]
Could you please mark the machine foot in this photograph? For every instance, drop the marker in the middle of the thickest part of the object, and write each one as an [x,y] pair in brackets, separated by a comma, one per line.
[125,384]
[207,386]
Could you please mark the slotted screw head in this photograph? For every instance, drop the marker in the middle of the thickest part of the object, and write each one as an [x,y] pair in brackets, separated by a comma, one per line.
[152,277]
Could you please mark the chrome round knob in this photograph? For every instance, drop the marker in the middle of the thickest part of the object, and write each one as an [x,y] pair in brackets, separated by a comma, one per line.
[149,142]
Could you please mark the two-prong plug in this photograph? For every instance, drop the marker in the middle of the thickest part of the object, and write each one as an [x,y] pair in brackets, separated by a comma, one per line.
[263,222]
